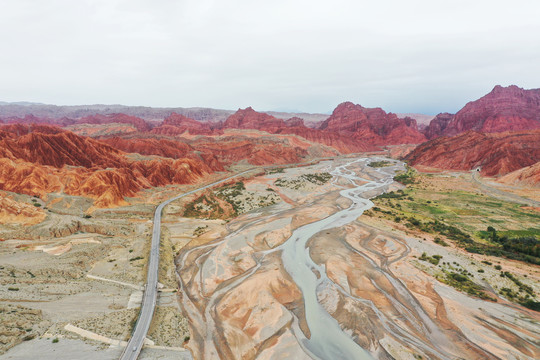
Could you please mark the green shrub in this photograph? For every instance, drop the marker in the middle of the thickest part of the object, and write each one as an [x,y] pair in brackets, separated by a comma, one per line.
[379,164]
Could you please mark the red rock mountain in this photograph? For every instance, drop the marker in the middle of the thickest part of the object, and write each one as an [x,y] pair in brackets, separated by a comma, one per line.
[438,125]
[169,148]
[138,123]
[37,163]
[351,128]
[295,121]
[251,119]
[372,125]
[529,175]
[341,143]
[59,149]
[495,153]
[176,124]
[503,109]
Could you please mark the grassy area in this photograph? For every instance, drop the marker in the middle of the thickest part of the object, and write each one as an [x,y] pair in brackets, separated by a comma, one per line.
[300,181]
[406,177]
[209,204]
[452,211]
[228,201]
[464,217]
[379,164]
[457,277]
[204,206]
[469,211]
[463,283]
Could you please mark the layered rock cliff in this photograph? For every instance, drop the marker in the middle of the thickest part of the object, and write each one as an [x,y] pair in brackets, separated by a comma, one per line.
[503,109]
[372,125]
[494,154]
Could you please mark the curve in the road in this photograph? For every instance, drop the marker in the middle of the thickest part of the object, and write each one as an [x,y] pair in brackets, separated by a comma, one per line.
[134,346]
[501,194]
[135,343]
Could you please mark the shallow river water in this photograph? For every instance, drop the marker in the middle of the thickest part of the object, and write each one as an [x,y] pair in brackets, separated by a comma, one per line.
[327,340]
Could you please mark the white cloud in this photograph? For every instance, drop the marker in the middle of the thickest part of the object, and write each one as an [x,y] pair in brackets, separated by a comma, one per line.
[405,56]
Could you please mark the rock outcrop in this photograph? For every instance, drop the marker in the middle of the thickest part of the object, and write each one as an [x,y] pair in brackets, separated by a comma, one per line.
[39,163]
[59,149]
[494,154]
[529,176]
[372,125]
[503,109]
[119,118]
[14,212]
[251,119]
[176,124]
[438,125]
[254,151]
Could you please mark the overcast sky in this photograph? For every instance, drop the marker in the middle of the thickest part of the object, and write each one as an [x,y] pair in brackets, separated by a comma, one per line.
[425,56]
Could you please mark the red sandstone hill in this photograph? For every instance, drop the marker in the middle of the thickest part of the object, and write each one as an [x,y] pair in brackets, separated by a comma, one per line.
[21,129]
[59,149]
[138,123]
[176,124]
[31,119]
[37,163]
[343,144]
[164,147]
[437,125]
[255,151]
[503,109]
[529,175]
[495,153]
[217,152]
[295,121]
[251,119]
[373,126]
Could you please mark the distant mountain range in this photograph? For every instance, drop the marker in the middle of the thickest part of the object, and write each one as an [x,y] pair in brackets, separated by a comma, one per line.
[500,133]
[23,108]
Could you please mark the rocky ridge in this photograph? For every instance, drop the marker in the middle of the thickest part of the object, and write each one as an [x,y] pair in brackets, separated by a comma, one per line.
[503,109]
[494,153]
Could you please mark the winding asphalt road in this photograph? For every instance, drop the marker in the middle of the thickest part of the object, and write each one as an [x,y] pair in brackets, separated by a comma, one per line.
[134,346]
[148,305]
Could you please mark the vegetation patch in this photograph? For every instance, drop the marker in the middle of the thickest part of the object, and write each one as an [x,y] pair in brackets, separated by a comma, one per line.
[200,230]
[301,181]
[446,207]
[407,177]
[525,294]
[434,259]
[275,171]
[519,248]
[464,283]
[228,201]
[461,216]
[379,164]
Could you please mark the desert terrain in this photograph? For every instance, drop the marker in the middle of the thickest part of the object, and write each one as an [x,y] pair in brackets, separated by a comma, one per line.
[355,235]
[242,302]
